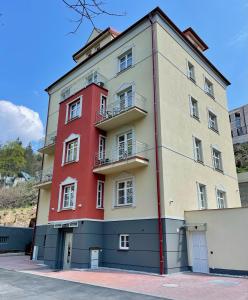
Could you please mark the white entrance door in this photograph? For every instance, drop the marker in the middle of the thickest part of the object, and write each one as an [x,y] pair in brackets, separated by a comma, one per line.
[94,255]
[67,250]
[199,252]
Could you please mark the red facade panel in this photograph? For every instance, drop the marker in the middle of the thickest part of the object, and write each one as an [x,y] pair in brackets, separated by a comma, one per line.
[80,170]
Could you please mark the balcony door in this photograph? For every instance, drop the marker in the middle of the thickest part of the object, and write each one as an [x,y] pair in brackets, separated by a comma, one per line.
[125,145]
[126,99]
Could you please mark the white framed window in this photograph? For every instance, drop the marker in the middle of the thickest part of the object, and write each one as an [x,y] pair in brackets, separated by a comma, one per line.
[202,195]
[221,199]
[125,60]
[125,192]
[73,109]
[71,151]
[102,147]
[71,148]
[217,159]
[125,145]
[194,111]
[212,121]
[103,102]
[125,98]
[191,71]
[209,88]
[69,196]
[124,241]
[92,78]
[198,153]
[100,193]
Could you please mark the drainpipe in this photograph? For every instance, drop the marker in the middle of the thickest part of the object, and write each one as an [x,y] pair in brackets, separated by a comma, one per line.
[155,101]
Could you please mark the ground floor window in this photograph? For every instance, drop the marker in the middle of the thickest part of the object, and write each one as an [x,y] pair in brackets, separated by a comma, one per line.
[124,241]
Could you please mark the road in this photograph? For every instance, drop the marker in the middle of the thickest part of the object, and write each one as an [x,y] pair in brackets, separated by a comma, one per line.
[17,285]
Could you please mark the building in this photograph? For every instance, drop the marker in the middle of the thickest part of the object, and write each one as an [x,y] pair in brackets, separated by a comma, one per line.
[238,120]
[137,133]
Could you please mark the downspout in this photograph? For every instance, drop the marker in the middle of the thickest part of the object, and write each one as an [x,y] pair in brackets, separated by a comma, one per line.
[155,101]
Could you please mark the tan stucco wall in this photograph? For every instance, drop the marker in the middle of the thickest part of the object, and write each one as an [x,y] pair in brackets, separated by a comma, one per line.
[226,237]
[179,170]
[43,210]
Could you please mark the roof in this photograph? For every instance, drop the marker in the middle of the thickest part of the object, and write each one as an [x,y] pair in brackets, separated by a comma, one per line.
[156,10]
[196,36]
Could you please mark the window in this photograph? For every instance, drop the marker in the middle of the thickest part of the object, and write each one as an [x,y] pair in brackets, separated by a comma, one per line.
[198,150]
[92,78]
[221,199]
[191,71]
[4,239]
[125,60]
[126,99]
[103,102]
[209,88]
[72,151]
[202,196]
[125,192]
[194,108]
[217,160]
[124,241]
[69,196]
[237,120]
[102,145]
[74,109]
[125,145]
[212,121]
[100,190]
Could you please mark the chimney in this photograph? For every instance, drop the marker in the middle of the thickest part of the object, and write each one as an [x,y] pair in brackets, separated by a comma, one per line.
[194,39]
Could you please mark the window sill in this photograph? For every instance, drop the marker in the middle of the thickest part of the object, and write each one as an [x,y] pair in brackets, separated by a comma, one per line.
[192,79]
[214,130]
[123,206]
[73,119]
[70,162]
[68,208]
[219,170]
[196,118]
[123,249]
[122,71]
[102,208]
[200,162]
[210,95]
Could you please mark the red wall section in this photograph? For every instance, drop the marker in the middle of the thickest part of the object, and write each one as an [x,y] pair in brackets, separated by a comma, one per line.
[81,170]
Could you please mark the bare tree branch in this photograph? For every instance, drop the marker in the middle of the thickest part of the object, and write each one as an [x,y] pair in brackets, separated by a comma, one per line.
[88,9]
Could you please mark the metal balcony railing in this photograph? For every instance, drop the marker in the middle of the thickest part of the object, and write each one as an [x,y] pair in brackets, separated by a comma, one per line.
[123,151]
[121,105]
[48,140]
[44,176]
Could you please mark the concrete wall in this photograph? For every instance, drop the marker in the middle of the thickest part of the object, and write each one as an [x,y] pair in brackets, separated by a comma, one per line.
[243,188]
[226,238]
[17,238]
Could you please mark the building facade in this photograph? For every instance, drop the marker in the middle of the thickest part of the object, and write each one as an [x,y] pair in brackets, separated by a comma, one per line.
[137,133]
[238,120]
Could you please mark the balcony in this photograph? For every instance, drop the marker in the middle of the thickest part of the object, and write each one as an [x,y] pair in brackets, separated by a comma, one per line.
[124,157]
[43,178]
[121,112]
[47,144]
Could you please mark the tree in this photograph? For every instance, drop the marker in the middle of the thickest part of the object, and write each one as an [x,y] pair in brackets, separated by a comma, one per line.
[12,158]
[88,9]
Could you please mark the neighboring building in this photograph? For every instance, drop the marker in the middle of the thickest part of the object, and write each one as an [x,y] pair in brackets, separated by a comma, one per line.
[238,120]
[137,133]
[243,188]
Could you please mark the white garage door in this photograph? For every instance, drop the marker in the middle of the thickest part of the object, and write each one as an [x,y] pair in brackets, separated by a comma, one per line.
[199,252]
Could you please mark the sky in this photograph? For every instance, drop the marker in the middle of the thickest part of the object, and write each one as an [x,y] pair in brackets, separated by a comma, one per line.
[36,48]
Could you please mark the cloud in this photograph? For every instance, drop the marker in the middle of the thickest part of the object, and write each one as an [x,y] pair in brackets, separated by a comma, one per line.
[240,38]
[19,121]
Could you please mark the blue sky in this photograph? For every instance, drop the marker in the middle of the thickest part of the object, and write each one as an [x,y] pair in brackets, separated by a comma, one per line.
[36,48]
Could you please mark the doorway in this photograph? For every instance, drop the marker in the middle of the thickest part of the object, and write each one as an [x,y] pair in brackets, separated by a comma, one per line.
[199,252]
[94,258]
[67,250]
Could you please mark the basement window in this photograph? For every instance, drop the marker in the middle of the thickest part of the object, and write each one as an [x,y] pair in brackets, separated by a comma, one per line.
[124,242]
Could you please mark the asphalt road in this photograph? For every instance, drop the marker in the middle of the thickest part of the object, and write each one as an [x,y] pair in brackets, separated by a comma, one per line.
[17,285]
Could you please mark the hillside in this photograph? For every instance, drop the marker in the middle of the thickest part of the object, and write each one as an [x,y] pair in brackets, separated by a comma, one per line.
[19,217]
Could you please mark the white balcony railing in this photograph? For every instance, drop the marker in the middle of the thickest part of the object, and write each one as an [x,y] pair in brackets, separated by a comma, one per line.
[117,107]
[44,176]
[122,152]
[48,140]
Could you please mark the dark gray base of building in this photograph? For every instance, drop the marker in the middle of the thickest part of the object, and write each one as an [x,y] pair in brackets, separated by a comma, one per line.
[143,253]
[229,272]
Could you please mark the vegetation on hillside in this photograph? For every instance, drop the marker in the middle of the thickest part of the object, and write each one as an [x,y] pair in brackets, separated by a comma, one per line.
[241,157]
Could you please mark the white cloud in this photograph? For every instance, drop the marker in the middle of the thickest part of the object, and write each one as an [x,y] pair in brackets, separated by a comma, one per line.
[240,38]
[19,121]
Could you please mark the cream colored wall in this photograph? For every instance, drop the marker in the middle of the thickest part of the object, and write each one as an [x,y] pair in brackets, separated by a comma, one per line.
[106,63]
[179,170]
[43,210]
[226,229]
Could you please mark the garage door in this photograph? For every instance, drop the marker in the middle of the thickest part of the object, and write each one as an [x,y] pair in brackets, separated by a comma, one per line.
[199,252]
